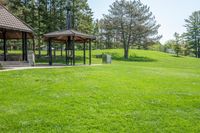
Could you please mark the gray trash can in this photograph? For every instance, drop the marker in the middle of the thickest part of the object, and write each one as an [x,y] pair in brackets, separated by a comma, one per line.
[106,59]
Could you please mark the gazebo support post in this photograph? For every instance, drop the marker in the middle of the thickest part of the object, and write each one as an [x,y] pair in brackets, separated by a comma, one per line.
[66,53]
[61,50]
[50,52]
[74,56]
[90,53]
[4,46]
[25,47]
[23,43]
[67,47]
[84,53]
[33,45]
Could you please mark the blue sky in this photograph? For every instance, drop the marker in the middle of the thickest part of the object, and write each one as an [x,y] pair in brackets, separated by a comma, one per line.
[169,13]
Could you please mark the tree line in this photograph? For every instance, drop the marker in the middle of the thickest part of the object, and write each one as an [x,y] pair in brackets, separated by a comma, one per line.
[50,15]
[188,43]
[129,24]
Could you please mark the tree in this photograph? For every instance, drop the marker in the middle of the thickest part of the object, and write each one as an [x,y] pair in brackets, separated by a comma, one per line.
[176,46]
[107,33]
[193,32]
[82,16]
[133,22]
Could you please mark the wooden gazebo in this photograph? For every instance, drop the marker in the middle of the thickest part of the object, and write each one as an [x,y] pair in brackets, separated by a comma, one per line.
[69,37]
[12,27]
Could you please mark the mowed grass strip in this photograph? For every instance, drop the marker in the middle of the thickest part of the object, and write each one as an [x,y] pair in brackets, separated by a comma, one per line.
[151,92]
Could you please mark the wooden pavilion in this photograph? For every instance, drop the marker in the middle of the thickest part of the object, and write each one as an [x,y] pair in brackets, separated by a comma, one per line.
[69,37]
[12,27]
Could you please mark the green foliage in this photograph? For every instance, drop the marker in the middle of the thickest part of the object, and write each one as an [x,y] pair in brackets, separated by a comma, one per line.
[193,32]
[131,23]
[176,46]
[50,15]
[157,47]
[126,96]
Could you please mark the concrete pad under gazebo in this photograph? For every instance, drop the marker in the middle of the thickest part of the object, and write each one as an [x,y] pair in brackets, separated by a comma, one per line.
[12,27]
[69,37]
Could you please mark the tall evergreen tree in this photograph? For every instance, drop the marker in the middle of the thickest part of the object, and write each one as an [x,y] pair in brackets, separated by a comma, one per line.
[193,32]
[82,16]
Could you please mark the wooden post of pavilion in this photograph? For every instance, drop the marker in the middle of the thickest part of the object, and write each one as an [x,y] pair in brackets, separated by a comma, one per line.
[90,52]
[50,51]
[66,43]
[61,50]
[4,46]
[74,56]
[67,48]
[25,47]
[33,45]
[84,54]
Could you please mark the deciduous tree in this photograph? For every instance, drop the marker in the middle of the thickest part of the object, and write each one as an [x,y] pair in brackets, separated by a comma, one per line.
[133,22]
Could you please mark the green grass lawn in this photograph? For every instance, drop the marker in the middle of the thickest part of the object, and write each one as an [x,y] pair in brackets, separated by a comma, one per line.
[150,92]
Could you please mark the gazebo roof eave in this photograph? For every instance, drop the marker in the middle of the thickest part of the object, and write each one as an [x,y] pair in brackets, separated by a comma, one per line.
[80,40]
[68,33]
[2,28]
[15,34]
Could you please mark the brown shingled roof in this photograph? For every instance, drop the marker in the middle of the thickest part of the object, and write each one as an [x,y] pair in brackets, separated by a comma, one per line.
[13,25]
[9,21]
[63,35]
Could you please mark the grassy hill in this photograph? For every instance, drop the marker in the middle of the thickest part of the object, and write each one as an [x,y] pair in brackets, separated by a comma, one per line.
[150,92]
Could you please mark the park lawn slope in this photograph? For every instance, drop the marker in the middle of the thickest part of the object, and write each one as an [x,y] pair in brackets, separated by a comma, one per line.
[150,92]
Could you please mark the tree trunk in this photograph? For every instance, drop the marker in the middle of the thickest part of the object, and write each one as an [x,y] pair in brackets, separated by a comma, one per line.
[39,45]
[126,52]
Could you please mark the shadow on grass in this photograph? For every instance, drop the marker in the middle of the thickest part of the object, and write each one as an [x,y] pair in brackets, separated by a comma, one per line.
[177,56]
[132,58]
[57,59]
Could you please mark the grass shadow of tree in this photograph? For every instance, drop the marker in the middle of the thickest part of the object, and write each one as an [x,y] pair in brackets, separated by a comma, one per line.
[177,56]
[132,58]
[56,59]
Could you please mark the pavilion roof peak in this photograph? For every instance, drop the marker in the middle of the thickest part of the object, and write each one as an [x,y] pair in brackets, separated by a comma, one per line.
[10,22]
